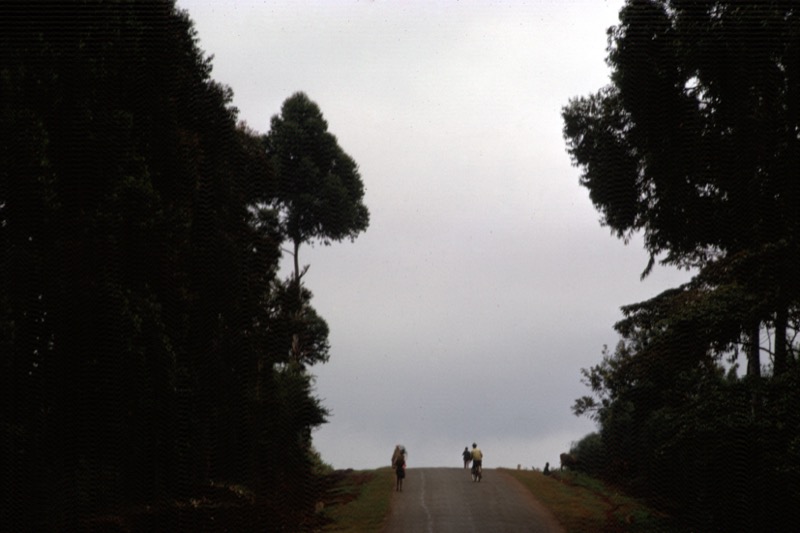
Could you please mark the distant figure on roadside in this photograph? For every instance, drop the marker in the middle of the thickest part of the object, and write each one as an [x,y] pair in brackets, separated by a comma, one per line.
[546,471]
[400,469]
[467,455]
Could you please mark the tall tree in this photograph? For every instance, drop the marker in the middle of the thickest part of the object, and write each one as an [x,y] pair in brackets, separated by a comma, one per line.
[320,193]
[319,198]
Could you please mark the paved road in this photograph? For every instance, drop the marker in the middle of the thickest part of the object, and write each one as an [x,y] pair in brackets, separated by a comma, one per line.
[441,500]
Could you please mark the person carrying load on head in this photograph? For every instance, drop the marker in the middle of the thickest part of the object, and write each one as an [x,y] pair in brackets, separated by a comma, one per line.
[399,465]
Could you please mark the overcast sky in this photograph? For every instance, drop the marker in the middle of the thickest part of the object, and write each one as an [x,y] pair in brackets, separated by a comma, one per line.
[484,282]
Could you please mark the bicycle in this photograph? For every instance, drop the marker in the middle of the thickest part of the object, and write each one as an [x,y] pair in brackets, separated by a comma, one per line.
[477,472]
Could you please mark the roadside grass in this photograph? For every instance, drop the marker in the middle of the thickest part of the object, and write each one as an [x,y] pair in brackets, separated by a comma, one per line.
[584,504]
[359,500]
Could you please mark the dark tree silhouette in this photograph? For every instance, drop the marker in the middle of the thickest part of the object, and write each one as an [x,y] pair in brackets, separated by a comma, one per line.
[694,143]
[139,355]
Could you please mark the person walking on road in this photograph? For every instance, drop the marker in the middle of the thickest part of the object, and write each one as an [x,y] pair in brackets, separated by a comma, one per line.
[399,469]
[467,455]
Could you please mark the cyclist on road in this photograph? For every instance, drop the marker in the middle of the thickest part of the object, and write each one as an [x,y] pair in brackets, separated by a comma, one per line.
[477,461]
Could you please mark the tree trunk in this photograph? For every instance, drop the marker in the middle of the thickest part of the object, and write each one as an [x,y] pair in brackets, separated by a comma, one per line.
[781,322]
[297,264]
[296,350]
[754,352]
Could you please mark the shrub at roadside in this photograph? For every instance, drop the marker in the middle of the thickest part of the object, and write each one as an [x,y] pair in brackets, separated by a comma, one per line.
[582,503]
[358,500]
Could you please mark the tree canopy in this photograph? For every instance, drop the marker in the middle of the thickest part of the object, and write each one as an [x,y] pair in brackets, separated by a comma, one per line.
[319,193]
[695,142]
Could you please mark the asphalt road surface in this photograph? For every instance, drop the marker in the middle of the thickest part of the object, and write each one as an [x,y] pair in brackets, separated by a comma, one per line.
[441,500]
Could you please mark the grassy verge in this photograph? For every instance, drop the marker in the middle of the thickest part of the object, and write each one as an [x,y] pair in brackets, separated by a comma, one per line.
[583,504]
[359,500]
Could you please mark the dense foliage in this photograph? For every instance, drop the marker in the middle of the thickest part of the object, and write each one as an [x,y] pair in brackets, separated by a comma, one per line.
[144,334]
[696,143]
